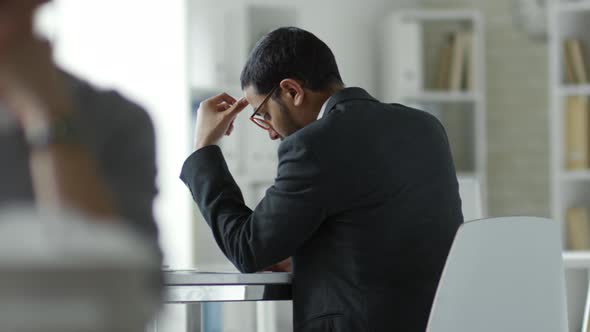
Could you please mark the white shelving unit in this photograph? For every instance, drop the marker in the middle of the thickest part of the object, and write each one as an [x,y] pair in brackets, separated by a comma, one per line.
[572,6]
[568,91]
[409,68]
[570,188]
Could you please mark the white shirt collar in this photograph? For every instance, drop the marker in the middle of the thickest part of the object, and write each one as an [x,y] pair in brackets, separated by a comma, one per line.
[323,110]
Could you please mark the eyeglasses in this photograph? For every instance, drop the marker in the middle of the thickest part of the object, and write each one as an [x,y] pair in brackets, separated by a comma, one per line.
[257,118]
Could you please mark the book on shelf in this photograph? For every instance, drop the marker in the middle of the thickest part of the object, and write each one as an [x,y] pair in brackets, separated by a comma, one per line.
[568,64]
[456,63]
[470,62]
[444,64]
[577,133]
[578,228]
[576,67]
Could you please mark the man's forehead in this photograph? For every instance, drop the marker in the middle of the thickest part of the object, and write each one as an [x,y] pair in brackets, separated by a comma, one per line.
[252,96]
[251,92]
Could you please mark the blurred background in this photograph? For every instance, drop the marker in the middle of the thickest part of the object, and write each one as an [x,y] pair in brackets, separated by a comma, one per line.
[508,79]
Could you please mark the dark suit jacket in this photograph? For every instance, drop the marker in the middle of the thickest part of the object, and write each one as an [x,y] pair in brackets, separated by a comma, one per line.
[365,200]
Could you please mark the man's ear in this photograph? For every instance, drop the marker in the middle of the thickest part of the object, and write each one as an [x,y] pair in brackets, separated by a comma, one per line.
[293,91]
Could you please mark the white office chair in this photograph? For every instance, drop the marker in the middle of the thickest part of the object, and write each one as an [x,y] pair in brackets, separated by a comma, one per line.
[502,274]
[471,202]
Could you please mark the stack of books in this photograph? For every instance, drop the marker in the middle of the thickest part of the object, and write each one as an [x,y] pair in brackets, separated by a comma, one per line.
[456,63]
[577,119]
[577,139]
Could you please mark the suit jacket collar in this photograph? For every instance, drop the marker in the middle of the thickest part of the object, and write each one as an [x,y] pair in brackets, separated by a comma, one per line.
[347,94]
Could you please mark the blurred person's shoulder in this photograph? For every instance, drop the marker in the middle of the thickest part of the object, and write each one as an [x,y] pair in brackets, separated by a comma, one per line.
[106,109]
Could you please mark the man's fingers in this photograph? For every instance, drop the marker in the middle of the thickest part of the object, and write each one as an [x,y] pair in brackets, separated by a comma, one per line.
[222,97]
[238,107]
[223,106]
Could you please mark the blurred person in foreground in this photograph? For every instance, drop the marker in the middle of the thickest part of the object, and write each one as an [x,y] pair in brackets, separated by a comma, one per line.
[64,144]
[365,201]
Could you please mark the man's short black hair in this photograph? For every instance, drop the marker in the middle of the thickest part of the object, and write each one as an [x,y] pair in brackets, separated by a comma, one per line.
[294,53]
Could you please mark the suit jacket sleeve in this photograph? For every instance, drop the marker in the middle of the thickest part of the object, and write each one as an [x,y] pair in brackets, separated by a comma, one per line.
[292,209]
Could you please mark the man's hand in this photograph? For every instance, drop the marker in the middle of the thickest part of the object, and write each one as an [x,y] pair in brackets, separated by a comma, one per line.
[215,118]
[284,266]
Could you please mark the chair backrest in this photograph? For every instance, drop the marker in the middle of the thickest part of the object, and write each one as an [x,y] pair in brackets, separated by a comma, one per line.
[470,192]
[502,274]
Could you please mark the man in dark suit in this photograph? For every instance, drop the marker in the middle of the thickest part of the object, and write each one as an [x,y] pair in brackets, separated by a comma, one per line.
[365,200]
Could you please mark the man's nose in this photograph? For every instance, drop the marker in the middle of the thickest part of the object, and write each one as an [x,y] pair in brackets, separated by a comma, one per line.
[272,134]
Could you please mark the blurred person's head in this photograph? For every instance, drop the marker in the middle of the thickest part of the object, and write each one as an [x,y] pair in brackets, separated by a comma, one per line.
[16,19]
[301,73]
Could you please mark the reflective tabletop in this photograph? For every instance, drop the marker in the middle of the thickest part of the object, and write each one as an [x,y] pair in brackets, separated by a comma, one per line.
[190,286]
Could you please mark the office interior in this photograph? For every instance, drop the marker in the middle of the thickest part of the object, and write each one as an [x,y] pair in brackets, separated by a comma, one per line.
[505,110]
